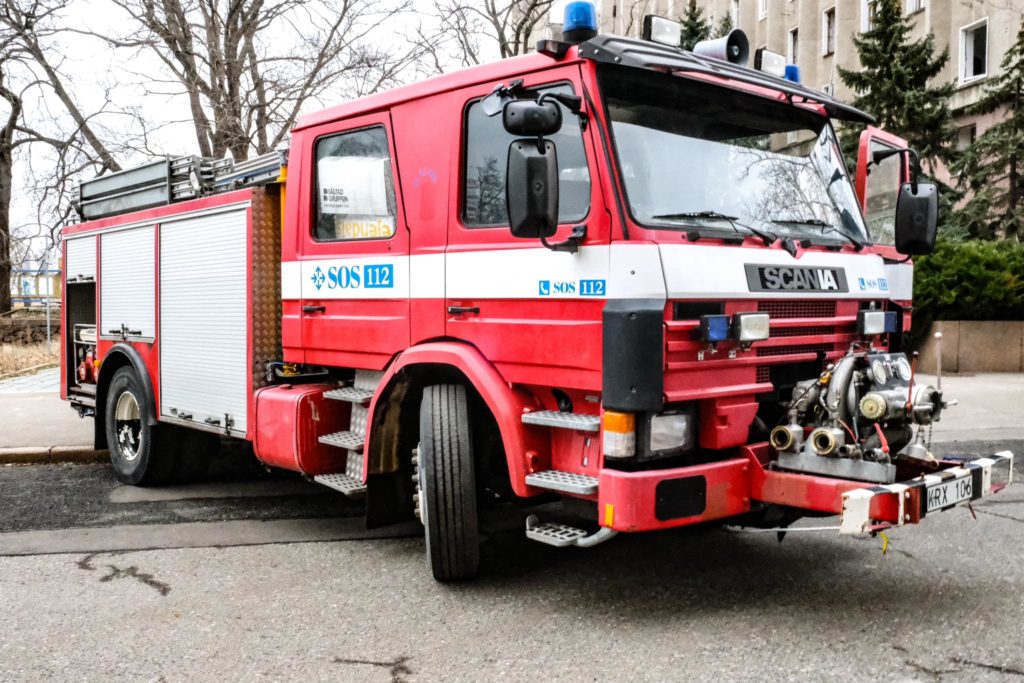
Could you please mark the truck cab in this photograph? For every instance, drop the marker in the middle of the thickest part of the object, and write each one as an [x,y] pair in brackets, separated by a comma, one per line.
[614,271]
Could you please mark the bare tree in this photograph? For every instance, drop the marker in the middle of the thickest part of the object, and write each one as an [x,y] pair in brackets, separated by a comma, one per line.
[248,67]
[52,145]
[465,32]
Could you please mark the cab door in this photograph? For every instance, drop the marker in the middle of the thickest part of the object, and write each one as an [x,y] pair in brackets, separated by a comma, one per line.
[353,246]
[878,184]
[534,312]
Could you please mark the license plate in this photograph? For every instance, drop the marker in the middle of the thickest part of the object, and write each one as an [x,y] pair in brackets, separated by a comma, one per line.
[946,494]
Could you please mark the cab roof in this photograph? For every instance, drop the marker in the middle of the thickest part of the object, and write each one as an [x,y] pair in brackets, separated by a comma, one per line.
[608,49]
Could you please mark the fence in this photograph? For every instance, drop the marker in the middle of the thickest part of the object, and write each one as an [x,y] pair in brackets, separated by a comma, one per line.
[34,290]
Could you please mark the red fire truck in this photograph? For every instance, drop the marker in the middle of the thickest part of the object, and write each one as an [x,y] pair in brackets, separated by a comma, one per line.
[613,271]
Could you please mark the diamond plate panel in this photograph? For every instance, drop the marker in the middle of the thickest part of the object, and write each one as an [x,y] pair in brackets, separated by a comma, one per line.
[266,280]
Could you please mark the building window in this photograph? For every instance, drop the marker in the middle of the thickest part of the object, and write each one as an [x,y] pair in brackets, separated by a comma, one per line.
[734,12]
[914,6]
[974,51]
[486,158]
[355,191]
[965,136]
[792,44]
[762,9]
[828,32]
[867,15]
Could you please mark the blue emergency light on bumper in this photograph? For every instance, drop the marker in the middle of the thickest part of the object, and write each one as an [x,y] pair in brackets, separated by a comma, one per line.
[714,328]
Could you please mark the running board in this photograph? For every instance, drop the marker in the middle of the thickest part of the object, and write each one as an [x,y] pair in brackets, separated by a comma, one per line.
[338,481]
[554,418]
[563,535]
[565,482]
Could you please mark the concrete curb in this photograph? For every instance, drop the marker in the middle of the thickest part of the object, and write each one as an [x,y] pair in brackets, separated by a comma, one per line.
[49,456]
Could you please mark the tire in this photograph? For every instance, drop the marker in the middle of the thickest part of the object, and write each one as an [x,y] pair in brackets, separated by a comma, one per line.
[142,454]
[447,484]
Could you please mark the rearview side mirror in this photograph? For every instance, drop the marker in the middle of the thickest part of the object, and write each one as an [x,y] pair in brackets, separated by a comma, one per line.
[531,188]
[532,118]
[917,216]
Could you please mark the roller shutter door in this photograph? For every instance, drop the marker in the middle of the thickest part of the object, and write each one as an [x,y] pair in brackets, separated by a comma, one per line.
[127,283]
[204,372]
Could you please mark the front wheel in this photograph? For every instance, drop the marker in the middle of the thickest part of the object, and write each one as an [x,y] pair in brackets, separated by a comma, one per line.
[447,484]
[139,451]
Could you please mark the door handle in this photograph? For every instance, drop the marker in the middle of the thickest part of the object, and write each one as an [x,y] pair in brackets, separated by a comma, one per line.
[314,309]
[459,310]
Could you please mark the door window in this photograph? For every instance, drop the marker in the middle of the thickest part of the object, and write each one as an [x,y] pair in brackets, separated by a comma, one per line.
[355,191]
[487,142]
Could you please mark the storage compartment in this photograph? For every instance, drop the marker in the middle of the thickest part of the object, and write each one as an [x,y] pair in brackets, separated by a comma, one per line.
[80,350]
[289,421]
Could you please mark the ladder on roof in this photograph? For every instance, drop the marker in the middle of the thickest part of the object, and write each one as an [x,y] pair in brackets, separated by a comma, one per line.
[172,179]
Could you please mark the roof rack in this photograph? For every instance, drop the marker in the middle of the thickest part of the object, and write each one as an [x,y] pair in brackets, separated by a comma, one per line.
[172,179]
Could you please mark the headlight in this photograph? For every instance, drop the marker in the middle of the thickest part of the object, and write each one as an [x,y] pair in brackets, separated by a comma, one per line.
[668,434]
[750,327]
[872,322]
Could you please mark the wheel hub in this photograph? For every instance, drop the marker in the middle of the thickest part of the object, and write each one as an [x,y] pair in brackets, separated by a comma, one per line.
[128,426]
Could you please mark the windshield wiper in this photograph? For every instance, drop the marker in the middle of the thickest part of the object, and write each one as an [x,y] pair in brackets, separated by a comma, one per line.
[766,237]
[826,228]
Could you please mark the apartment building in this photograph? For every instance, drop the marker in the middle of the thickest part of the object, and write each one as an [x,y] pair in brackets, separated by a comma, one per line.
[818,36]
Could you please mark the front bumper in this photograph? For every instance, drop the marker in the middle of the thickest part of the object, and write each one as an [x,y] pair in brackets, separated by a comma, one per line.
[911,501]
[662,499]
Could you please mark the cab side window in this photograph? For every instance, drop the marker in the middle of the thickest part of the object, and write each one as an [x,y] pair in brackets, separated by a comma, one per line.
[355,192]
[485,159]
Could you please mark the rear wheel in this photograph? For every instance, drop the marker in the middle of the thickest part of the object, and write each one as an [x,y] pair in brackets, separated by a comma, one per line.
[448,506]
[140,453]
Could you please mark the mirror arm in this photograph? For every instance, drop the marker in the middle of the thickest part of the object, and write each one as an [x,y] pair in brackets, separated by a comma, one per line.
[571,245]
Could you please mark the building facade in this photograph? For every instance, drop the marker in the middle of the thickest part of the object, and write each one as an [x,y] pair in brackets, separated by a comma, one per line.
[817,35]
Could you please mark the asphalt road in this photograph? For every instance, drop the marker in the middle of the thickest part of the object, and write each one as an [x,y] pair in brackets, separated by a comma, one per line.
[253,577]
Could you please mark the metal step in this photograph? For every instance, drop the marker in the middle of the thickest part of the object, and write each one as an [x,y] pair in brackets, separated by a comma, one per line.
[554,418]
[350,486]
[566,482]
[350,394]
[350,440]
[552,533]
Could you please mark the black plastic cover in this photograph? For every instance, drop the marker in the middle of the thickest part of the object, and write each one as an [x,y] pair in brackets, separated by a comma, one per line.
[917,211]
[634,355]
[609,49]
[680,498]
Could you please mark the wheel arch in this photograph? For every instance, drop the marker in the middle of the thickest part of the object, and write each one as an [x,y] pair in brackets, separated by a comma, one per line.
[119,356]
[394,410]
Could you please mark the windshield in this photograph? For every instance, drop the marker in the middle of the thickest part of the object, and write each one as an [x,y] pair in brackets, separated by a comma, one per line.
[698,156]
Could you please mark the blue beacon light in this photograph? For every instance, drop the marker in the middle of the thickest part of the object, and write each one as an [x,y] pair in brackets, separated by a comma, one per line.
[580,21]
[792,73]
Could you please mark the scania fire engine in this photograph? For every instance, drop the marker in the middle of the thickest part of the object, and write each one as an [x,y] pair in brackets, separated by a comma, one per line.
[613,272]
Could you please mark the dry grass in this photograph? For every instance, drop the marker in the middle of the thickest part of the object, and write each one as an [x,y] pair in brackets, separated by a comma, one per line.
[17,358]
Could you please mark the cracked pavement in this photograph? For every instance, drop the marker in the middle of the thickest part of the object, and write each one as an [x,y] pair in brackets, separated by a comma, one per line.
[944,604]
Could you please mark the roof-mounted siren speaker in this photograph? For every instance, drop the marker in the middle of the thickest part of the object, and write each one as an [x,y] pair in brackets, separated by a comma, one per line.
[733,47]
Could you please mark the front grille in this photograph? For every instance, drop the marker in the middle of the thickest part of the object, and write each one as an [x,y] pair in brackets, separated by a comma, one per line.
[798,309]
[794,350]
[801,331]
